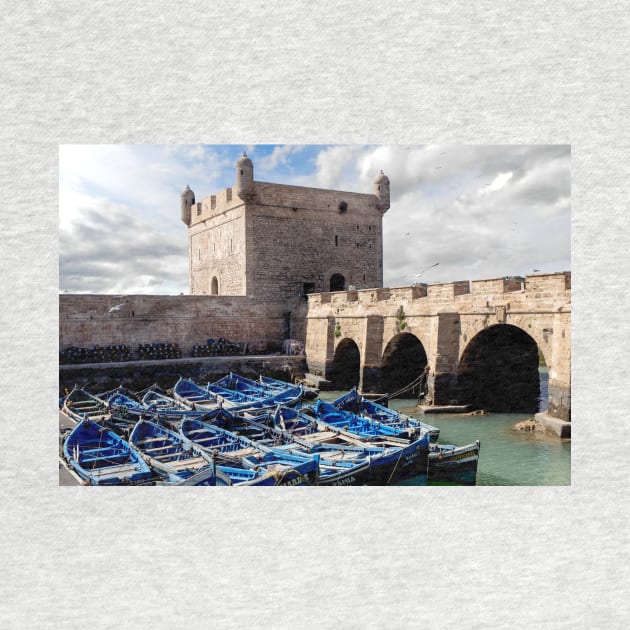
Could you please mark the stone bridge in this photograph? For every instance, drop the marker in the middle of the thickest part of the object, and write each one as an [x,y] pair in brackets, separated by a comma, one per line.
[482,341]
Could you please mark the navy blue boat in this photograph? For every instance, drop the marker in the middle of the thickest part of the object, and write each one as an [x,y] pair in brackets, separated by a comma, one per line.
[355,403]
[383,460]
[126,411]
[447,462]
[101,457]
[176,460]
[358,424]
[194,396]
[455,464]
[270,393]
[234,453]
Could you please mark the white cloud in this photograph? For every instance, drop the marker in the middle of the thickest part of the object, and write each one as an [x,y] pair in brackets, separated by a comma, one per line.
[120,226]
[500,181]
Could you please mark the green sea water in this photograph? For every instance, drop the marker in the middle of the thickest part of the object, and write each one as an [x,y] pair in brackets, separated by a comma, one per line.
[508,457]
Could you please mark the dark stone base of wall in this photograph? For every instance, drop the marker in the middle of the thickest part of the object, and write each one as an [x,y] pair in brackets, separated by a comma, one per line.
[371,380]
[559,401]
[137,375]
[443,390]
[316,368]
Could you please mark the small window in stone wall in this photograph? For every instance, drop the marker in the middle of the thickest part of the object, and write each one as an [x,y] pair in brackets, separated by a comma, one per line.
[342,207]
[336,241]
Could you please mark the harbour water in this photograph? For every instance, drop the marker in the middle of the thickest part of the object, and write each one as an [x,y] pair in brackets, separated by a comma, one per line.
[508,457]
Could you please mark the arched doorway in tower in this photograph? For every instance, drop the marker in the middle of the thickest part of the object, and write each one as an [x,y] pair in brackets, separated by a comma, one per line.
[346,367]
[214,286]
[337,282]
[403,363]
[498,371]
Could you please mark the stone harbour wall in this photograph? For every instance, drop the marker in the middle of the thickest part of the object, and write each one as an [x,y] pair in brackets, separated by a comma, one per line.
[88,320]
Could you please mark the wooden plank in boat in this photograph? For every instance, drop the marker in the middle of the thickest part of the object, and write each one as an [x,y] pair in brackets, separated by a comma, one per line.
[155,449]
[321,436]
[194,462]
[242,452]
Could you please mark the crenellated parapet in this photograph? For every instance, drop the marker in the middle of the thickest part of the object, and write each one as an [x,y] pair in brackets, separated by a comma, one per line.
[279,241]
[446,319]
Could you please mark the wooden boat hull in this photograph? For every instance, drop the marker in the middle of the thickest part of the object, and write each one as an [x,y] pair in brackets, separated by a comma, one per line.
[378,462]
[355,403]
[247,463]
[100,457]
[81,405]
[268,393]
[454,464]
[195,397]
[174,459]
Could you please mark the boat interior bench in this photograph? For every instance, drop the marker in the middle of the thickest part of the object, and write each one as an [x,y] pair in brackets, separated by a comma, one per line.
[99,458]
[211,441]
[192,462]
[320,436]
[147,440]
[156,449]
[98,449]
[241,452]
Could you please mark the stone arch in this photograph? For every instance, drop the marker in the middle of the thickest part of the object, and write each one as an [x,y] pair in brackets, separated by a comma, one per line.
[337,282]
[498,371]
[345,371]
[403,361]
[214,286]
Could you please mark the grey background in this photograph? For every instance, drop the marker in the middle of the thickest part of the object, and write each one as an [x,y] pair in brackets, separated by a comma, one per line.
[395,72]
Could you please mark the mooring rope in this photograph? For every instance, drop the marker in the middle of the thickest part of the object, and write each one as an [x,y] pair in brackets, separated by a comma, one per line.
[416,381]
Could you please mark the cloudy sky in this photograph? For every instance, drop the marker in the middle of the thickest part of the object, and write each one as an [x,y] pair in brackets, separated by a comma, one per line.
[478,211]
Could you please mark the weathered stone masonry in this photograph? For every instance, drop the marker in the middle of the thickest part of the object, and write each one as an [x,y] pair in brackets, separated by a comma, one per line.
[257,249]
[274,241]
[446,318]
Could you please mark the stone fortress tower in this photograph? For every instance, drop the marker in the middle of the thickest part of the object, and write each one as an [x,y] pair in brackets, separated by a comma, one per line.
[275,241]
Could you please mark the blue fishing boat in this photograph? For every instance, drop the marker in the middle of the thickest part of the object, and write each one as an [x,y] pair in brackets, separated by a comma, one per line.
[126,410]
[455,464]
[176,460]
[237,401]
[360,425]
[101,457]
[383,460]
[247,463]
[81,404]
[357,404]
[194,396]
[447,462]
[270,393]
[308,393]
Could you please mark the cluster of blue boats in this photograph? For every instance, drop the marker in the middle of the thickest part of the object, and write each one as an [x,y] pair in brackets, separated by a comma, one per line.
[244,432]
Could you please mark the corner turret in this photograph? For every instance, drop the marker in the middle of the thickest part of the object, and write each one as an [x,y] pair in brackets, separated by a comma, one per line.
[188,200]
[244,177]
[381,190]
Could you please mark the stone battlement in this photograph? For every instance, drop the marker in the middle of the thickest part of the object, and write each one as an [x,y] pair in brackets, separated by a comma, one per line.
[486,291]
